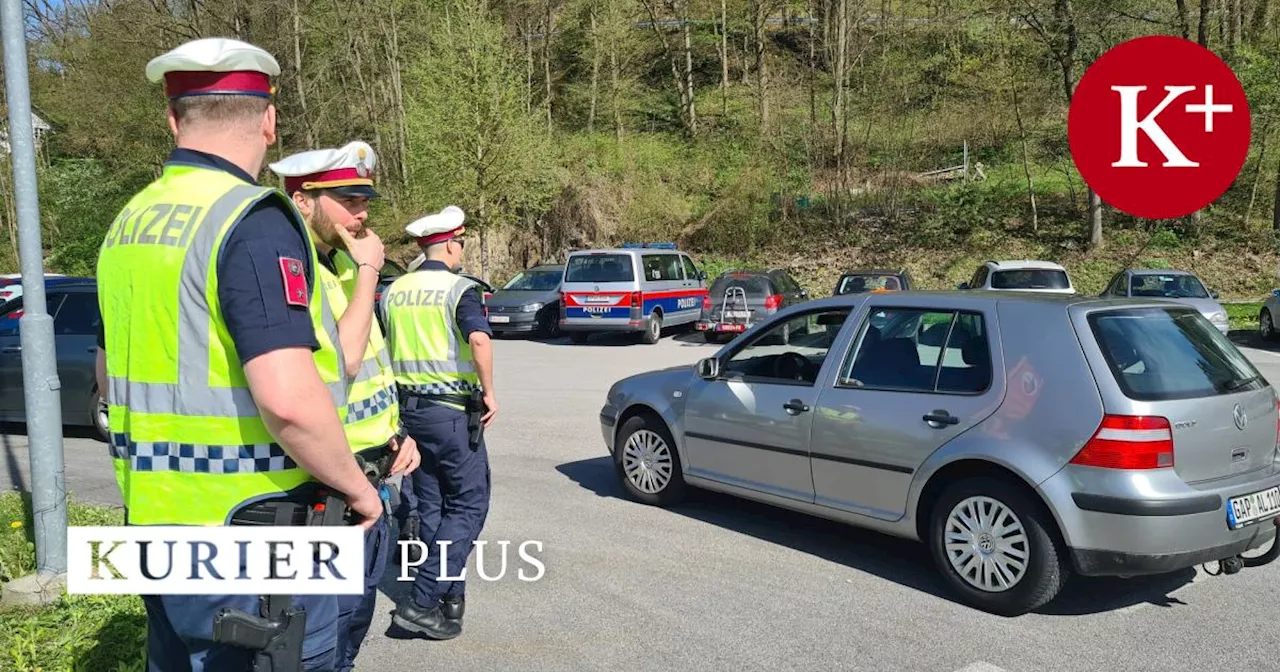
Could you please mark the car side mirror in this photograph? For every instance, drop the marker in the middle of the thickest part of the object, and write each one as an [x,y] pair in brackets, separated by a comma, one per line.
[708,368]
[963,285]
[1213,293]
[702,275]
[804,293]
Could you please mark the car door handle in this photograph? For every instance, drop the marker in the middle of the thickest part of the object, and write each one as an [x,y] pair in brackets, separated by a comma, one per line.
[795,407]
[941,417]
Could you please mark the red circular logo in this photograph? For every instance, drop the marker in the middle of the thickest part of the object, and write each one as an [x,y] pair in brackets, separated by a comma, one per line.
[1159,127]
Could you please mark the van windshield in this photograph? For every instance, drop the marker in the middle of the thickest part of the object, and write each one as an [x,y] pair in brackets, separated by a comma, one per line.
[1159,354]
[599,268]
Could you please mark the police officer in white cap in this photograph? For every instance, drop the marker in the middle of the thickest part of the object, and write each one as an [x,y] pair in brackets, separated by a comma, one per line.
[442,357]
[332,189]
[219,354]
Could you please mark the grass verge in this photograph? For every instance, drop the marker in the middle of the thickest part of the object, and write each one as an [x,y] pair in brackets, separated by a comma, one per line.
[106,633]
[1243,316]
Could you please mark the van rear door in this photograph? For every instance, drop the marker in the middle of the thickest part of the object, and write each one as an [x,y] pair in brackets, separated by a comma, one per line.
[1171,362]
[599,287]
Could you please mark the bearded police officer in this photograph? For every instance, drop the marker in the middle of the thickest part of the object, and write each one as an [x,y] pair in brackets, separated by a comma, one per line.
[219,354]
[443,362]
[332,188]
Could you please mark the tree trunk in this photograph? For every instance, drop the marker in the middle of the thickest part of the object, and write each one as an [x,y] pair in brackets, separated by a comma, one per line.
[546,59]
[528,66]
[398,83]
[1202,35]
[1026,164]
[688,67]
[724,58]
[1095,220]
[297,75]
[1275,208]
[1257,173]
[1184,24]
[1233,25]
[758,30]
[676,78]
[613,91]
[812,71]
[595,73]
[842,55]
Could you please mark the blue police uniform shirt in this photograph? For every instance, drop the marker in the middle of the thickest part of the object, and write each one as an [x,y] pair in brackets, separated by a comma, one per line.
[250,287]
[470,317]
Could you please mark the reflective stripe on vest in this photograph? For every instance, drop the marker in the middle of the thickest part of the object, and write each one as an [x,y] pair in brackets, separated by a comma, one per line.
[429,355]
[188,443]
[372,411]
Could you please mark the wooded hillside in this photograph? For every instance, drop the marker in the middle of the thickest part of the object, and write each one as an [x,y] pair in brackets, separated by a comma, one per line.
[799,132]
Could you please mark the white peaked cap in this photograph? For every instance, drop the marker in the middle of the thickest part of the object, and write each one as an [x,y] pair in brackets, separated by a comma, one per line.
[214,65]
[347,169]
[438,227]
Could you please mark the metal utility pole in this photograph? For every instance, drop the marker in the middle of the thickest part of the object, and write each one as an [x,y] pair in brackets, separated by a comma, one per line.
[39,362]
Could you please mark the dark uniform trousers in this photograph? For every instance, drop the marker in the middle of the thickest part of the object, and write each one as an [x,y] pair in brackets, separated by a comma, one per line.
[180,633]
[451,489]
[355,612]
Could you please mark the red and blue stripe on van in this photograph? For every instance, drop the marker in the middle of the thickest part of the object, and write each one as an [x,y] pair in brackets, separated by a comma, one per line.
[631,305]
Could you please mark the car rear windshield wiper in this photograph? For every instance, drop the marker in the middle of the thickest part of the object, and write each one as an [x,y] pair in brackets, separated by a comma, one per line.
[1237,384]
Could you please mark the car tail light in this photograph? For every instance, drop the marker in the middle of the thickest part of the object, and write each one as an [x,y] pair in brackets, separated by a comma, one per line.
[773,302]
[1129,442]
[18,313]
[706,302]
[636,299]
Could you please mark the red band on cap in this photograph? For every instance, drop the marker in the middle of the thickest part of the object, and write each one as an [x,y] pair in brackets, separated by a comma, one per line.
[292,184]
[243,82]
[439,237]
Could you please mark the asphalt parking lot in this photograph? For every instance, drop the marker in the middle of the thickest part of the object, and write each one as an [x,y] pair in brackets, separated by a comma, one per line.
[723,584]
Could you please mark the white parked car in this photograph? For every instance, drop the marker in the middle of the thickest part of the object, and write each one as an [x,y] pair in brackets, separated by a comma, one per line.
[1021,276]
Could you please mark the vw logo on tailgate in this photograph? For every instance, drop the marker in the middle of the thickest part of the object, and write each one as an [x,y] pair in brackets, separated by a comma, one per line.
[1240,417]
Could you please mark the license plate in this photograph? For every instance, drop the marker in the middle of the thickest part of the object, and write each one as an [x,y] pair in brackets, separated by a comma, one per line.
[1253,507]
[737,314]
[499,319]
[598,299]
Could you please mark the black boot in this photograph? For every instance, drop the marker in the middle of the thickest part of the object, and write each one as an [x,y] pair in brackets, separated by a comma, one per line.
[452,607]
[430,623]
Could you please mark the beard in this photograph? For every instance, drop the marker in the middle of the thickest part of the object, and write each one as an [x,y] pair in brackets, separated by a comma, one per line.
[326,229]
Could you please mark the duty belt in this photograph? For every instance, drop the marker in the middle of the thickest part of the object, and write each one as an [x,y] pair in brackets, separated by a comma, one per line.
[416,401]
[294,509]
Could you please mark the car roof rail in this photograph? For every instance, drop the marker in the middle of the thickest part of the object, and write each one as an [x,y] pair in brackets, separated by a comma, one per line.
[656,246]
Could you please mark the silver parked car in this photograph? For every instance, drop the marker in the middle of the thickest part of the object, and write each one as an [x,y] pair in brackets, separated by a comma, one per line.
[1179,286]
[1023,437]
[528,303]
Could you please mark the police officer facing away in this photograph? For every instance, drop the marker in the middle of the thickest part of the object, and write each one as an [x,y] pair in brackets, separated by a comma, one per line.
[332,188]
[219,354]
[442,357]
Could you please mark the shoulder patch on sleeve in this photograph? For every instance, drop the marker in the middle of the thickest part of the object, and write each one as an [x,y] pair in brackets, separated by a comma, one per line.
[295,282]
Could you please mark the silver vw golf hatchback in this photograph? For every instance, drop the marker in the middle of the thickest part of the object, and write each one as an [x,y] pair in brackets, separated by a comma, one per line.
[1023,437]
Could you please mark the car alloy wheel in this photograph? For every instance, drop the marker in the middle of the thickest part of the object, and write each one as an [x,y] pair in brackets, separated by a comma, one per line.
[1265,326]
[646,459]
[647,462]
[101,422]
[653,330]
[986,544]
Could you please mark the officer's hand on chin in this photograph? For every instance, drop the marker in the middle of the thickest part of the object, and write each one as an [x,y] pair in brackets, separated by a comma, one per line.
[367,507]
[491,403]
[367,249]
[407,456]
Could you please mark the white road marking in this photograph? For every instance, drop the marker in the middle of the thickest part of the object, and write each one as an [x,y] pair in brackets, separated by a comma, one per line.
[981,667]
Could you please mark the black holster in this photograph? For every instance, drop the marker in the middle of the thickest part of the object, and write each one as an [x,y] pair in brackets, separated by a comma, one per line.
[475,413]
[277,632]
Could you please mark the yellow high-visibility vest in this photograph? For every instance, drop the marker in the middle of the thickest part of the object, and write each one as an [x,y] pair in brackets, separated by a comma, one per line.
[187,441]
[373,411]
[429,354]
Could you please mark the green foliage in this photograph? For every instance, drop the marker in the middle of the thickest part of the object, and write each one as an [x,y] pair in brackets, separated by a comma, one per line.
[86,633]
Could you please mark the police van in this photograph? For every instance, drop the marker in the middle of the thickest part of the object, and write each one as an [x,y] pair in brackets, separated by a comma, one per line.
[640,288]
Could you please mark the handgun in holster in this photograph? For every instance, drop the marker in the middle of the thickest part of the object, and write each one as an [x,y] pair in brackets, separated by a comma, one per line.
[276,634]
[476,409]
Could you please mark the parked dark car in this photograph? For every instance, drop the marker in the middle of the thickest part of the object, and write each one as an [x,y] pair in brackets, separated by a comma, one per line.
[740,298]
[871,280]
[73,304]
[528,303]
